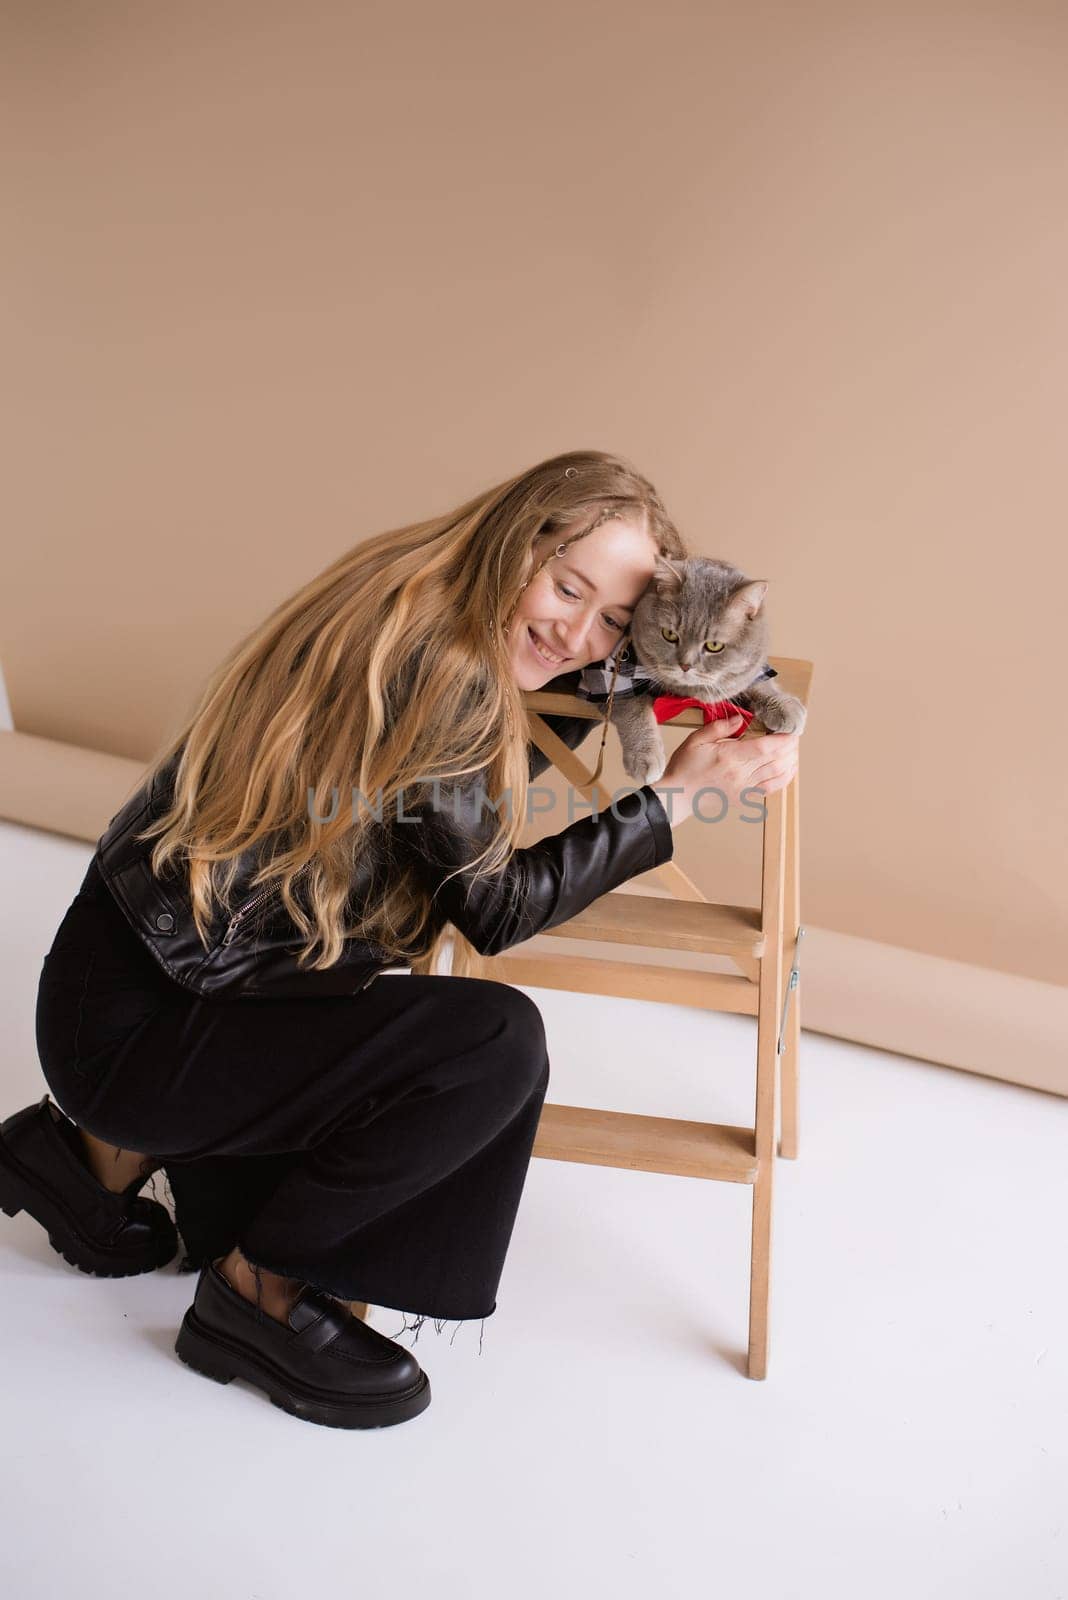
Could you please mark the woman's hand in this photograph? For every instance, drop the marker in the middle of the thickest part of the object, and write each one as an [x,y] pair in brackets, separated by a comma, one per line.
[710,759]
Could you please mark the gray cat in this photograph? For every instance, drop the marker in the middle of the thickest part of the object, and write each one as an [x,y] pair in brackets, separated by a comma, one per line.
[699,629]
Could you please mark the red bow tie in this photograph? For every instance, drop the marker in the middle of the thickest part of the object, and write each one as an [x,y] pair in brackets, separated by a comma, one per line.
[666,706]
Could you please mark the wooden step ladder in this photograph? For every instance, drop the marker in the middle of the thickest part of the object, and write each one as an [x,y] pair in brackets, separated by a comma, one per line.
[763,944]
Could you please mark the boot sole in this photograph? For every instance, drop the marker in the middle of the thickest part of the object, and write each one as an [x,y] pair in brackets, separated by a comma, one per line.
[19,1193]
[215,1356]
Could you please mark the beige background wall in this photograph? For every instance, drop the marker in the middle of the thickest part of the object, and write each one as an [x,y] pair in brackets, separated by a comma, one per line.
[277,277]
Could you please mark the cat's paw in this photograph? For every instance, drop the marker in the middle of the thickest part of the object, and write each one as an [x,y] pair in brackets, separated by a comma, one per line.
[645,766]
[784,714]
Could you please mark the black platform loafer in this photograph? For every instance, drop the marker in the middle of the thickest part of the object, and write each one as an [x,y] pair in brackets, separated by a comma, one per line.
[323,1364]
[44,1171]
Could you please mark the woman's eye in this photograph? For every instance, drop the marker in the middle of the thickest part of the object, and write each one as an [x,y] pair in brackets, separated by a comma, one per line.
[670,635]
[571,595]
[710,644]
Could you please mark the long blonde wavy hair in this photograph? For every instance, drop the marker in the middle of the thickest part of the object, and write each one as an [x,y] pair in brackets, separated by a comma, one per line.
[383,674]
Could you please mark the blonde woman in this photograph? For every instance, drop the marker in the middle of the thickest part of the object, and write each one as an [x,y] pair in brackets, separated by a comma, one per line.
[245,990]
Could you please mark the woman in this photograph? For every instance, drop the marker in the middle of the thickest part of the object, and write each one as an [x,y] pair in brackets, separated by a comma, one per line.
[218,999]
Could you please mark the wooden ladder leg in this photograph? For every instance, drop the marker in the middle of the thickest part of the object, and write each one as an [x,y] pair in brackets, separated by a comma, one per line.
[767,1077]
[790,1060]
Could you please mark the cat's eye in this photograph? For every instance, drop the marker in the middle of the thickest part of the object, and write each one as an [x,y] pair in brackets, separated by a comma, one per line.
[712,646]
[670,635]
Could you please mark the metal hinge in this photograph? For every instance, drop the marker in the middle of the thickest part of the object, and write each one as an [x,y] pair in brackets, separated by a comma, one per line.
[791,984]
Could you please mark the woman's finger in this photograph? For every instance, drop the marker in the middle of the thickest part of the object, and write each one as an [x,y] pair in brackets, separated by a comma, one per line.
[772,770]
[712,732]
[771,744]
[768,786]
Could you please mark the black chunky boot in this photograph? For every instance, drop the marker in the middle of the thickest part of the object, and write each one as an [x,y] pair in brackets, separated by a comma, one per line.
[44,1171]
[323,1364]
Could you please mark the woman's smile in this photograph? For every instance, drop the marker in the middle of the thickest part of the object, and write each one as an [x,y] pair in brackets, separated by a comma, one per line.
[542,651]
[574,609]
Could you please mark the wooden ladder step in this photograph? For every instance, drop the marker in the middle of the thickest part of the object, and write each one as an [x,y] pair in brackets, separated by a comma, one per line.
[647,1144]
[628,980]
[667,924]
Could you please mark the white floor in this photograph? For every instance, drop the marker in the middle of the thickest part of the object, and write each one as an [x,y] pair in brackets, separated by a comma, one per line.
[908,1440]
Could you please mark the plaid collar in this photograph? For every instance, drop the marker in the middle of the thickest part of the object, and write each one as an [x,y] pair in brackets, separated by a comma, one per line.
[595,681]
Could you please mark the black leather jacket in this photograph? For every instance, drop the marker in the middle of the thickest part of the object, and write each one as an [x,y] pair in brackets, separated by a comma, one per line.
[254,952]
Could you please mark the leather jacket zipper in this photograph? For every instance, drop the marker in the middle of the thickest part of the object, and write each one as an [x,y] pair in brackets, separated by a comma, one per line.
[250,905]
[243,911]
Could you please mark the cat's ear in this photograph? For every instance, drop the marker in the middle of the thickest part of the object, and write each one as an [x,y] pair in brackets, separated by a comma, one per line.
[667,580]
[749,598]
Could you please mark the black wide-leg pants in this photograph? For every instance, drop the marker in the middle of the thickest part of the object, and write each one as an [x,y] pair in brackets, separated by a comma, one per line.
[375,1145]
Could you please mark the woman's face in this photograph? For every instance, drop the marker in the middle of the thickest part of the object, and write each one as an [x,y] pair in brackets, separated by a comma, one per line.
[580,603]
